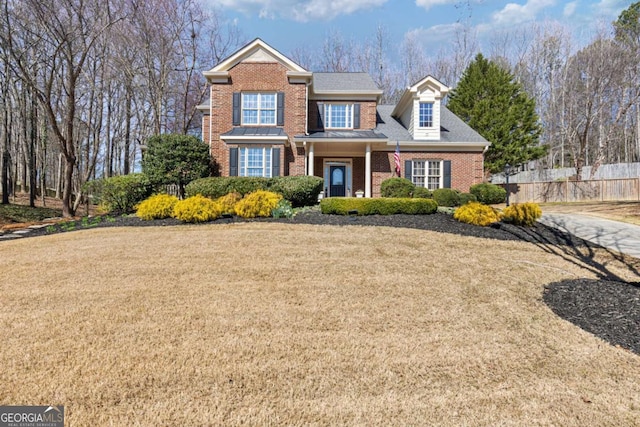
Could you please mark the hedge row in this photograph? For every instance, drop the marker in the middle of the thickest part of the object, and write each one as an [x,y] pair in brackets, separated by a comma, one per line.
[299,190]
[382,206]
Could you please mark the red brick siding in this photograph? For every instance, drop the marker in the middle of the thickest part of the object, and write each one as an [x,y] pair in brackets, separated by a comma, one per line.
[266,77]
[466,168]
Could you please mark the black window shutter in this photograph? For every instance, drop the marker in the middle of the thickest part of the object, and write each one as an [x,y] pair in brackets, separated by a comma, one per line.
[280,111]
[320,115]
[233,162]
[407,169]
[356,116]
[275,162]
[236,108]
[446,174]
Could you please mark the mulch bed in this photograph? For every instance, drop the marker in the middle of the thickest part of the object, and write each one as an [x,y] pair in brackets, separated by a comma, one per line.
[608,308]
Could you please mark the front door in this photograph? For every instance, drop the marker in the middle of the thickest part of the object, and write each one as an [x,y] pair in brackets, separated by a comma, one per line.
[338,186]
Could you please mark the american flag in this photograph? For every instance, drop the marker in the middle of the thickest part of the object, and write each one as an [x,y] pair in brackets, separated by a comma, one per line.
[396,158]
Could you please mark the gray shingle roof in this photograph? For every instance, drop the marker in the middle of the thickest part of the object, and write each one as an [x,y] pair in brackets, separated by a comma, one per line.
[389,126]
[345,82]
[452,128]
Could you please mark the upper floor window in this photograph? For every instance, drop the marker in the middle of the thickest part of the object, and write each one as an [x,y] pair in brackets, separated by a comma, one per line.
[426,115]
[427,173]
[338,116]
[258,108]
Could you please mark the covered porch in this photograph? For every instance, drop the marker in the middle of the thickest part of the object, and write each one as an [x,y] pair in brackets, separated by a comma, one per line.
[346,167]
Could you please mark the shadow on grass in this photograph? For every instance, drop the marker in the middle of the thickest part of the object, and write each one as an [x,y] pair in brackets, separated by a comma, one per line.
[575,250]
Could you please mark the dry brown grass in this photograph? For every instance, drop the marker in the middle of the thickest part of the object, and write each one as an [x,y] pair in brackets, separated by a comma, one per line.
[278,324]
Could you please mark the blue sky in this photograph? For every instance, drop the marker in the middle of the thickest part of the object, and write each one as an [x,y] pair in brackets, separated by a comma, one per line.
[288,24]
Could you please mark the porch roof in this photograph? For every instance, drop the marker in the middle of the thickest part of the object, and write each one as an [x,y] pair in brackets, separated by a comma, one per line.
[348,135]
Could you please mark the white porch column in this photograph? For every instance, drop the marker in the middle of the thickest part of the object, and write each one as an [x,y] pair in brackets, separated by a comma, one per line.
[367,171]
[310,161]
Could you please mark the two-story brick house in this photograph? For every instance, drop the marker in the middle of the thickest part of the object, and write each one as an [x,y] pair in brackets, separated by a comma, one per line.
[267,116]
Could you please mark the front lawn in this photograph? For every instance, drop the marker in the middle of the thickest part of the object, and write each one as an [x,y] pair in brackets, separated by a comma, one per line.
[293,324]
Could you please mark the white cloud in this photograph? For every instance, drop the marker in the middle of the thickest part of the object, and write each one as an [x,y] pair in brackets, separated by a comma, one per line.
[428,4]
[514,13]
[302,11]
[570,9]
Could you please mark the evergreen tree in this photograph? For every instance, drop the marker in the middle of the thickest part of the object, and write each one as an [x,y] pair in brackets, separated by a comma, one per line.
[489,100]
[175,159]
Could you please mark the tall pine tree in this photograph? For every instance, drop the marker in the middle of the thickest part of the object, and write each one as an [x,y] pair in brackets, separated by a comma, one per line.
[489,100]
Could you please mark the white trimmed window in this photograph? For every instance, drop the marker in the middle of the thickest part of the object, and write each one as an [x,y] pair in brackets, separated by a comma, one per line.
[338,116]
[427,173]
[255,161]
[258,108]
[426,115]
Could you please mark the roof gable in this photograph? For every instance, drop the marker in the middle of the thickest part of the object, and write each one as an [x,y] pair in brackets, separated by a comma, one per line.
[428,85]
[255,51]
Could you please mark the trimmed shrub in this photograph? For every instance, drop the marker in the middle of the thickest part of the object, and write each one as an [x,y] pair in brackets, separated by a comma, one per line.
[396,187]
[259,203]
[159,206]
[212,188]
[489,194]
[196,209]
[522,214]
[216,187]
[380,206]
[299,190]
[120,193]
[446,197]
[465,198]
[477,214]
[422,193]
[228,203]
[283,209]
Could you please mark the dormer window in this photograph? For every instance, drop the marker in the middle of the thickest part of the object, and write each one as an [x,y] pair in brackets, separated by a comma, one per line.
[426,115]
[338,116]
[258,109]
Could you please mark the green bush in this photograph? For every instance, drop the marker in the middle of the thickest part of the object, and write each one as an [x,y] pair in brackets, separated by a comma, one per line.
[422,193]
[465,198]
[446,197]
[380,206]
[257,204]
[216,187]
[522,214]
[489,194]
[396,187]
[156,207]
[477,214]
[196,209]
[283,209]
[120,193]
[299,190]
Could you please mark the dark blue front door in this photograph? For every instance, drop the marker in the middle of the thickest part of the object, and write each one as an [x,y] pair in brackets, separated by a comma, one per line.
[338,185]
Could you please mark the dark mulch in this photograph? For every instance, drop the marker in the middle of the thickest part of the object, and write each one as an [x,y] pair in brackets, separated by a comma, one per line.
[607,308]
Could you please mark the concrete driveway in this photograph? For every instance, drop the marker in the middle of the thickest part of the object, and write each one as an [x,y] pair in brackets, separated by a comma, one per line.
[618,236]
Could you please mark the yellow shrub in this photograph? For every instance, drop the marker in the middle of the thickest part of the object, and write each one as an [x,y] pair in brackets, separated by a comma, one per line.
[156,207]
[477,214]
[197,209]
[522,214]
[227,203]
[258,203]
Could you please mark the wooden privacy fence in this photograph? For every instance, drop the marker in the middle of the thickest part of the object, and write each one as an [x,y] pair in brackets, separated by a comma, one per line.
[575,191]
